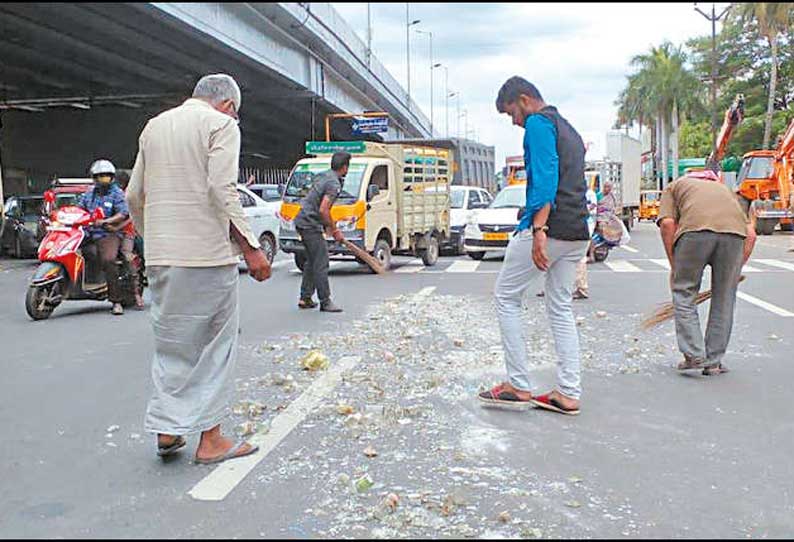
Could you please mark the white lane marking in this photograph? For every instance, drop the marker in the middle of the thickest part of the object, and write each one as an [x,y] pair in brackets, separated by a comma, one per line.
[221,481]
[764,305]
[630,249]
[622,266]
[424,292]
[662,263]
[282,263]
[463,266]
[750,269]
[777,263]
[414,266]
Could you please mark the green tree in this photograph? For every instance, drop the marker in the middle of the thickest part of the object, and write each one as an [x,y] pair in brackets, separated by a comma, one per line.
[772,19]
[663,87]
[695,140]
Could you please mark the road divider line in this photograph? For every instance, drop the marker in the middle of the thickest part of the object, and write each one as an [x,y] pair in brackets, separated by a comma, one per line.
[630,249]
[751,269]
[414,266]
[777,263]
[221,481]
[662,263]
[764,305]
[424,292]
[622,266]
[463,266]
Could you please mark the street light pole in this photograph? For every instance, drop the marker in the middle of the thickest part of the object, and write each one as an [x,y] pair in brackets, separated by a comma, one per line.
[713,18]
[369,34]
[432,67]
[408,25]
[457,101]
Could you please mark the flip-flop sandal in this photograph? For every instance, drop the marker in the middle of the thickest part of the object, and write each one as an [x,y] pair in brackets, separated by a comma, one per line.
[306,304]
[164,451]
[231,454]
[715,370]
[689,365]
[499,397]
[549,403]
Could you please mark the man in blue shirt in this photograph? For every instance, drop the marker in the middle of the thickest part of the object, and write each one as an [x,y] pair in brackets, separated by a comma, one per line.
[103,244]
[551,237]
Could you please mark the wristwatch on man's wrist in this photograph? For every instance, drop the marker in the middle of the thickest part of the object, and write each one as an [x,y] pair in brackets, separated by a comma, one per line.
[543,228]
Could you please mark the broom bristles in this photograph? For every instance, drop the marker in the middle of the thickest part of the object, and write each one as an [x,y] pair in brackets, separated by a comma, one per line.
[667,310]
[370,260]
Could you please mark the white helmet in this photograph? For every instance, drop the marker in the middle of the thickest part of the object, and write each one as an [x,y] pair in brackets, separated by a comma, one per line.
[103,167]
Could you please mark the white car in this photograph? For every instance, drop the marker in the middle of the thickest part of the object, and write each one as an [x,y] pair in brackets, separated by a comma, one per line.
[463,200]
[490,229]
[263,219]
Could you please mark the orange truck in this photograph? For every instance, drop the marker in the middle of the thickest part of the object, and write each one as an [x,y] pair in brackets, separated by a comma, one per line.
[765,179]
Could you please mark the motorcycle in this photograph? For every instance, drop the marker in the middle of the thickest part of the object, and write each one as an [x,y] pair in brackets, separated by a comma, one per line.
[62,273]
[602,246]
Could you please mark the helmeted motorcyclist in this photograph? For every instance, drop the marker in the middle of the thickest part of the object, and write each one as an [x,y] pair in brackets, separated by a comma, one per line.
[104,244]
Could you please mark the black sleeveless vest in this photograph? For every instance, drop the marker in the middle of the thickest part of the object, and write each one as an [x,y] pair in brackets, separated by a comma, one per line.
[568,221]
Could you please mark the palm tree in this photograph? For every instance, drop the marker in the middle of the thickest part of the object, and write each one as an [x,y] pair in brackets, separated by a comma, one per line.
[664,87]
[772,18]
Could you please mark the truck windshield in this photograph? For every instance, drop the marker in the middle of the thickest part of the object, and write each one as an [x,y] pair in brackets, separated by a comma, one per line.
[756,167]
[510,197]
[303,176]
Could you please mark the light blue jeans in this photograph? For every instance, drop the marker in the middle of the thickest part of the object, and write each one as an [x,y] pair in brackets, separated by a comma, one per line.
[517,274]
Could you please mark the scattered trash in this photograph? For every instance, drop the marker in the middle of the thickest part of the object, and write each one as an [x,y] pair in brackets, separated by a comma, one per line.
[458,342]
[601,314]
[246,428]
[315,361]
[573,504]
[345,409]
[369,451]
[773,337]
[112,444]
[112,429]
[504,517]
[389,357]
[364,483]
[135,436]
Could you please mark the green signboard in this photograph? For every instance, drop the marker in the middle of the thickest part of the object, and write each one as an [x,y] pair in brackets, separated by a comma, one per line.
[329,147]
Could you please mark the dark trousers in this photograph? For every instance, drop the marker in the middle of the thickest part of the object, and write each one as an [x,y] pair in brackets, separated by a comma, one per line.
[724,252]
[315,271]
[106,250]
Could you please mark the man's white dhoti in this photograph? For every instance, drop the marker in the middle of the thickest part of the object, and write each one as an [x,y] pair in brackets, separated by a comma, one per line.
[195,319]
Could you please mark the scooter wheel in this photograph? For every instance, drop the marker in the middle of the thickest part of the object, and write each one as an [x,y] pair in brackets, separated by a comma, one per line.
[35,302]
[600,254]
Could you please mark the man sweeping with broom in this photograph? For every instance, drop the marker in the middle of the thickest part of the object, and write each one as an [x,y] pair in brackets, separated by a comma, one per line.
[701,223]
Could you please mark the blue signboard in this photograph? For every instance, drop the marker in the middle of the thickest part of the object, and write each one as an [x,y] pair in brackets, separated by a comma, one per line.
[370,125]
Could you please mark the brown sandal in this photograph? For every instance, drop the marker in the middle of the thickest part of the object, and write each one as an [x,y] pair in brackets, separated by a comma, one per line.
[689,364]
[715,370]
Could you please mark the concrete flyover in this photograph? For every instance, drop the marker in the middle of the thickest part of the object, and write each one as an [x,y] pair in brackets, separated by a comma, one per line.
[79,80]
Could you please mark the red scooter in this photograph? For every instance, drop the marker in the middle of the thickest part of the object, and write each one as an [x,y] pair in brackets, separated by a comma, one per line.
[62,273]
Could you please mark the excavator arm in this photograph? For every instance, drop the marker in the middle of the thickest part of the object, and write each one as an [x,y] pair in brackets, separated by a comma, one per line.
[733,116]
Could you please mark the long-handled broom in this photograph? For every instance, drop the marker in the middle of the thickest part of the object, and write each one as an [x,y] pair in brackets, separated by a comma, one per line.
[369,259]
[667,310]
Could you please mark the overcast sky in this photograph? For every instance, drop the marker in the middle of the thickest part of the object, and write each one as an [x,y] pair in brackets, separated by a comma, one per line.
[576,54]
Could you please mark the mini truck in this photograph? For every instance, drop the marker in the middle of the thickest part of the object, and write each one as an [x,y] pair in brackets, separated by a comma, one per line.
[385,206]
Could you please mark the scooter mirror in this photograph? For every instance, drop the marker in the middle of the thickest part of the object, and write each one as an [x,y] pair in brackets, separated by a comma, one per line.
[49,196]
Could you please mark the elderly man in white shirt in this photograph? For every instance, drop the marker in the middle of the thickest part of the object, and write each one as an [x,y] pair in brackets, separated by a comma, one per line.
[184,202]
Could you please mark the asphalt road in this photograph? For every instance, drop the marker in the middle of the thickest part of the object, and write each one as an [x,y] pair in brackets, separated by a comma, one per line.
[653,454]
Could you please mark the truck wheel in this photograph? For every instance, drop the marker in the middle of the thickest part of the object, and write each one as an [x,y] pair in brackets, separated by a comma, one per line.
[459,250]
[382,252]
[430,254]
[300,261]
[765,226]
[476,255]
